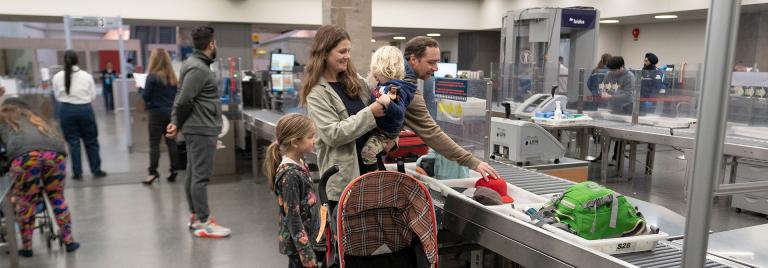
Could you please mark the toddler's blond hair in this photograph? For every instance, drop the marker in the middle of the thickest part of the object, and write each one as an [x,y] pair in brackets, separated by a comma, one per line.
[387,62]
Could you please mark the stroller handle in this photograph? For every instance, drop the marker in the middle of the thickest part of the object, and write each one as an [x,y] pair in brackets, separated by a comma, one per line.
[324,180]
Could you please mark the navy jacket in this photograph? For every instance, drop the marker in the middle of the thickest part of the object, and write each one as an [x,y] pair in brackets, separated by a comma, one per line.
[392,122]
[158,96]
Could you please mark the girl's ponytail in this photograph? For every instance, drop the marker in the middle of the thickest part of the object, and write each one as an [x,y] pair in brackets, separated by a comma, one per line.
[271,163]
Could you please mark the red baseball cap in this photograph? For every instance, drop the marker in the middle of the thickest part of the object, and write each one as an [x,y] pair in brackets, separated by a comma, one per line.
[500,186]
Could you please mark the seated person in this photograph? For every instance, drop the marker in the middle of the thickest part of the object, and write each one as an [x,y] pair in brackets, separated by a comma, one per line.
[387,72]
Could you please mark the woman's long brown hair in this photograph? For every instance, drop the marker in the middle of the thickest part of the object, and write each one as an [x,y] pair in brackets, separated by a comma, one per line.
[160,65]
[11,113]
[327,38]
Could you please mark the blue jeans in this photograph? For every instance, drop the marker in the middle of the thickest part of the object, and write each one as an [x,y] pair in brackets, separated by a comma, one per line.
[79,122]
[109,98]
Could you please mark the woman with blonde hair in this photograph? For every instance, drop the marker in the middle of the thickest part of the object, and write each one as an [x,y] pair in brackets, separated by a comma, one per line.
[159,93]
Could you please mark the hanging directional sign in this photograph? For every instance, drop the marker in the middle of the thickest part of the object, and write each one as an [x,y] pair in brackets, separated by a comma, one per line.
[101,22]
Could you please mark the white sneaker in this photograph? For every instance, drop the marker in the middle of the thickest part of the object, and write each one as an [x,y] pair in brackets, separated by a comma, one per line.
[211,229]
[194,223]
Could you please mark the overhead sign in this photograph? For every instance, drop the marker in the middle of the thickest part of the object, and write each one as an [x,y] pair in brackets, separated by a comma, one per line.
[452,89]
[101,22]
[578,18]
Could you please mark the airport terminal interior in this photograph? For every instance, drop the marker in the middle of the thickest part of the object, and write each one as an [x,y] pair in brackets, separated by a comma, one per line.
[576,133]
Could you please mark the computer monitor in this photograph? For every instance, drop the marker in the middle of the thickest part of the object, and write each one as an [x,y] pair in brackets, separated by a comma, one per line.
[288,82]
[277,83]
[446,70]
[279,62]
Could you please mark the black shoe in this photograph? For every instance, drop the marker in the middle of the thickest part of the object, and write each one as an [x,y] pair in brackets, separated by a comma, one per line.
[77,177]
[150,180]
[27,253]
[99,174]
[72,246]
[172,177]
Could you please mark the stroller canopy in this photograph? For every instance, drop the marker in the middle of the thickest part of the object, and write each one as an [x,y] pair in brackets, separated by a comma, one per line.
[386,208]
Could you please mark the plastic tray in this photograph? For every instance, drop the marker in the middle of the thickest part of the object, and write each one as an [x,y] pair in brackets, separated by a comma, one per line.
[562,122]
[525,200]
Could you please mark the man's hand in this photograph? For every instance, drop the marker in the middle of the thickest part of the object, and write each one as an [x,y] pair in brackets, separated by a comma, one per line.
[2,90]
[486,171]
[170,131]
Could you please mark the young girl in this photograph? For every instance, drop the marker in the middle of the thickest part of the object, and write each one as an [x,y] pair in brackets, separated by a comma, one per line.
[387,72]
[289,178]
[38,156]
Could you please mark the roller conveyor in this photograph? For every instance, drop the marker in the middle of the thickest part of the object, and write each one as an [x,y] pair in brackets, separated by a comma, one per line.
[665,254]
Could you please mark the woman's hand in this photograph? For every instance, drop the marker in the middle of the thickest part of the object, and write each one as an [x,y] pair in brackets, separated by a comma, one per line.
[384,100]
[377,109]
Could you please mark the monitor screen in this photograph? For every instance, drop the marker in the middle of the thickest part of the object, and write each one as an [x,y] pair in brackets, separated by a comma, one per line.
[446,70]
[281,62]
[277,83]
[288,82]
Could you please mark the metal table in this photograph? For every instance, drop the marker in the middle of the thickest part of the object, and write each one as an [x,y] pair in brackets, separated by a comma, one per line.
[262,125]
[745,244]
[10,221]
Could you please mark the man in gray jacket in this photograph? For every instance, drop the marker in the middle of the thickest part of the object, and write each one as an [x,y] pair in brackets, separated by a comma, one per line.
[197,113]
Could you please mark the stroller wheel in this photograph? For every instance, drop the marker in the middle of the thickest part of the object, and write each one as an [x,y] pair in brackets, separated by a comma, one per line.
[48,242]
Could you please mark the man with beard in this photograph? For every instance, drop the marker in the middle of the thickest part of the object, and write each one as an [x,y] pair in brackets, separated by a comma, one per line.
[197,114]
[421,56]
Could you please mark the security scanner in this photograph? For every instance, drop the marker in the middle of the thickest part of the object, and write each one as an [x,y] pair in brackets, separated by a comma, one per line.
[533,39]
[523,142]
[540,103]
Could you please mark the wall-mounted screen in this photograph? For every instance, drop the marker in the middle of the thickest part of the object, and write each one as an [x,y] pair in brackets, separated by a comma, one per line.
[446,70]
[281,62]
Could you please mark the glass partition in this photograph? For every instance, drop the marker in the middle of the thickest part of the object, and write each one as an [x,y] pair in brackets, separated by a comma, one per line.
[460,107]
[748,98]
[667,95]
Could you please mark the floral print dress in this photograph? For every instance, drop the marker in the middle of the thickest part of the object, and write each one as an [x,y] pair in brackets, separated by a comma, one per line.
[295,199]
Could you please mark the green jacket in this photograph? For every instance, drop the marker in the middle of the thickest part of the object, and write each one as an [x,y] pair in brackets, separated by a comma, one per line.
[337,132]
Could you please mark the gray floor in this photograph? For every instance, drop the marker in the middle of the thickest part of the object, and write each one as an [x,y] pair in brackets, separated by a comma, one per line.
[121,223]
[665,187]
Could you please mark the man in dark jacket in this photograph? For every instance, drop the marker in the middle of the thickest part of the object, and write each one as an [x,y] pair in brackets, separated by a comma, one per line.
[197,113]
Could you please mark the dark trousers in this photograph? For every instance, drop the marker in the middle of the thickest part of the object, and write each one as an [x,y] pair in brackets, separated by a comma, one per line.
[109,98]
[201,151]
[79,122]
[158,120]
[294,261]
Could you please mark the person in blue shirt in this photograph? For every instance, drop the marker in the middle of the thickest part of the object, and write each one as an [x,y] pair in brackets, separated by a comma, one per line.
[650,80]
[108,76]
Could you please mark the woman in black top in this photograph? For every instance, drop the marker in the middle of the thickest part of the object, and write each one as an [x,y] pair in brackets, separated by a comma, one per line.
[159,92]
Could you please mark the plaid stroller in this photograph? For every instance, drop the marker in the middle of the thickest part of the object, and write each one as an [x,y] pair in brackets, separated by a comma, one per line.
[384,219]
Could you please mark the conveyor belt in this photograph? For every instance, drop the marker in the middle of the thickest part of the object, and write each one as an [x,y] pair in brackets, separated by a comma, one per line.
[531,181]
[664,255]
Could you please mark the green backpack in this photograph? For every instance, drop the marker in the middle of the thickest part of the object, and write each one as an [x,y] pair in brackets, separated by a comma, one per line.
[592,211]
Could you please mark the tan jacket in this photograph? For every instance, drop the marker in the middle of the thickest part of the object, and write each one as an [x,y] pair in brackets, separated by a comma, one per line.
[337,132]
